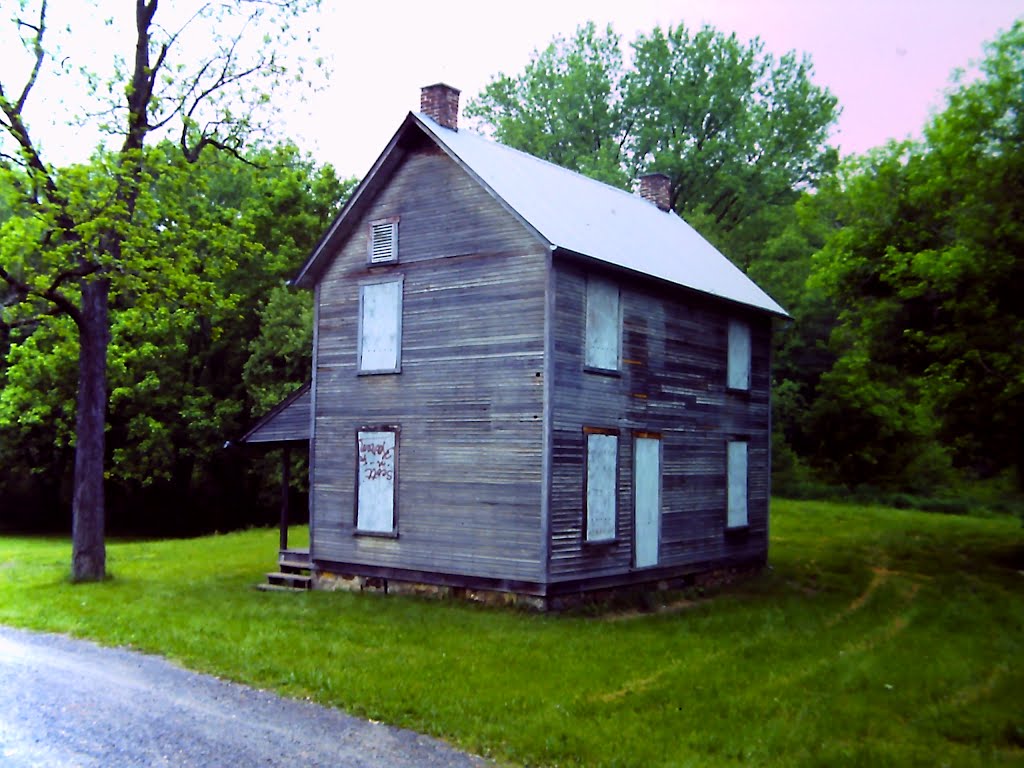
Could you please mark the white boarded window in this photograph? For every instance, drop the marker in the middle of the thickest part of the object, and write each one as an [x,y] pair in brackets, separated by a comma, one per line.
[646,499]
[604,321]
[737,484]
[384,241]
[602,472]
[739,355]
[376,456]
[380,327]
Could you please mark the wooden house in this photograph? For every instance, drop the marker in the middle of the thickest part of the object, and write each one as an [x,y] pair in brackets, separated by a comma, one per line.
[526,381]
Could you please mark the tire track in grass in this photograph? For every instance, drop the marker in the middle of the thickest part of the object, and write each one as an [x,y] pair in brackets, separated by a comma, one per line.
[969,694]
[883,633]
[881,576]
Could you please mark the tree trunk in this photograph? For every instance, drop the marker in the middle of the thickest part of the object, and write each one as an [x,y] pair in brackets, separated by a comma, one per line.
[89,554]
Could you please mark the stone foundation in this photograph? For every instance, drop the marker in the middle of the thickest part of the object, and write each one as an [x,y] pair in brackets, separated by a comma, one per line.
[646,596]
[350,583]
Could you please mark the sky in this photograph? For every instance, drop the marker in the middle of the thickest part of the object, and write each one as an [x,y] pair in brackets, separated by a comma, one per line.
[887,61]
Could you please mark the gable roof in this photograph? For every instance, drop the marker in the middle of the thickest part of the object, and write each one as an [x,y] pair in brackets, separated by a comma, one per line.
[568,211]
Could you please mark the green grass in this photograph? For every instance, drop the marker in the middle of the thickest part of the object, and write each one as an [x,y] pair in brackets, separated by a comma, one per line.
[879,637]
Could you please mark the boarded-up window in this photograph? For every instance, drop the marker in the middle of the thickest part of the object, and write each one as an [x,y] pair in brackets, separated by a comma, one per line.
[739,355]
[384,241]
[380,326]
[602,471]
[377,457]
[646,500]
[737,484]
[603,325]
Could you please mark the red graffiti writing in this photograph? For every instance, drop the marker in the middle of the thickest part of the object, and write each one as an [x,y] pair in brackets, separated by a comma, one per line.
[377,460]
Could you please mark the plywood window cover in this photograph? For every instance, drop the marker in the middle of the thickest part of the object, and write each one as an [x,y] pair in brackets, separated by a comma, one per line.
[363,364]
[383,241]
[589,491]
[739,356]
[362,468]
[601,353]
[737,490]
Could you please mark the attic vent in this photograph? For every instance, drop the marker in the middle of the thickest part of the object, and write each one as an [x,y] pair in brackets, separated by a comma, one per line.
[384,241]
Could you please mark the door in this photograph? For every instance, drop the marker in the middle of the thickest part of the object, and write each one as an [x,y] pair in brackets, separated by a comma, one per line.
[646,500]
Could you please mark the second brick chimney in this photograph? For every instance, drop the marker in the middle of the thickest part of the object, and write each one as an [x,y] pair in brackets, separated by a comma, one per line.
[657,188]
[440,103]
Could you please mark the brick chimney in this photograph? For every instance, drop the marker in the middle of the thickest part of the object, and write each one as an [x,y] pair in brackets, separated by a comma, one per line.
[657,188]
[440,102]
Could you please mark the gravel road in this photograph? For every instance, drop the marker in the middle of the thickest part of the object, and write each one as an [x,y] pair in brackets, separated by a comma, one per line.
[69,703]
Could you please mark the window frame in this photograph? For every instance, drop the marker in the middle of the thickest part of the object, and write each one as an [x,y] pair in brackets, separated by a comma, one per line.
[399,309]
[392,533]
[371,241]
[599,432]
[593,282]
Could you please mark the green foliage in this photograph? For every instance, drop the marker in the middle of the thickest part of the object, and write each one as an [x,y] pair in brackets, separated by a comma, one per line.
[280,355]
[738,131]
[83,237]
[565,107]
[213,243]
[878,637]
[925,270]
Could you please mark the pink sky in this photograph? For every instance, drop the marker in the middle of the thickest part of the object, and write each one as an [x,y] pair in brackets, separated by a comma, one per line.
[888,61]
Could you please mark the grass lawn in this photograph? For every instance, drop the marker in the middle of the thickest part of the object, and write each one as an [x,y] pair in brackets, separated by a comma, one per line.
[878,637]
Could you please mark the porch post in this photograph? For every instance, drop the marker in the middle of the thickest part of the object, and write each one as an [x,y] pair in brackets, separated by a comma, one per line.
[286,467]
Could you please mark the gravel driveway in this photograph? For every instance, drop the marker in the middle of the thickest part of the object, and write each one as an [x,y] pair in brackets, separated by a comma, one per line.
[66,702]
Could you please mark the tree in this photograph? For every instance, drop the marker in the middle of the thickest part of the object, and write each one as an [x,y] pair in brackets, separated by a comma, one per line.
[925,269]
[80,233]
[179,359]
[565,106]
[737,130]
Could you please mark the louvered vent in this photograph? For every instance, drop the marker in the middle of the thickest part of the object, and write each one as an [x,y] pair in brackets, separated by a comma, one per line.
[383,241]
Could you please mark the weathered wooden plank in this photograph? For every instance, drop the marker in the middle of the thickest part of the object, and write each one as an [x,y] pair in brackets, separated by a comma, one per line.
[469,398]
[673,381]
[288,421]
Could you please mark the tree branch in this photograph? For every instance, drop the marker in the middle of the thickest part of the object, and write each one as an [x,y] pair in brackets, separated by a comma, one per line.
[61,304]
[37,48]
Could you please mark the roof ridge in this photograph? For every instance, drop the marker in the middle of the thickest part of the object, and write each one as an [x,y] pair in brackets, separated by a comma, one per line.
[523,153]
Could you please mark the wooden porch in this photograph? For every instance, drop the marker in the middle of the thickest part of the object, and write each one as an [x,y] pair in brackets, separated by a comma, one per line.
[286,425]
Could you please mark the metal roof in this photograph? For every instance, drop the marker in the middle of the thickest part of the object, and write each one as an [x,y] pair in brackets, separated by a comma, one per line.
[567,211]
[287,421]
[588,217]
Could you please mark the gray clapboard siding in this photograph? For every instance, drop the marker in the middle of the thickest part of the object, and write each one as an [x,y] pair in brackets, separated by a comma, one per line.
[673,382]
[469,398]
[287,422]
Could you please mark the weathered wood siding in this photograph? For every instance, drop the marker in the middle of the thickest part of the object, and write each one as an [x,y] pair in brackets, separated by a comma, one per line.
[286,422]
[468,401]
[672,382]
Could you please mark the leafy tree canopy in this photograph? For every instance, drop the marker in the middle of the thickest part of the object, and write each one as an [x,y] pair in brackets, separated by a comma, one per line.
[230,232]
[925,269]
[737,130]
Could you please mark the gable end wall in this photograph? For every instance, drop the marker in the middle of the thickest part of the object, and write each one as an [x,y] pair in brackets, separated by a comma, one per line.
[469,398]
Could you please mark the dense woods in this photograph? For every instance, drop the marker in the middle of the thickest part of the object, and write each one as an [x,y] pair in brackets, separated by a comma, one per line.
[903,367]
[189,366]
